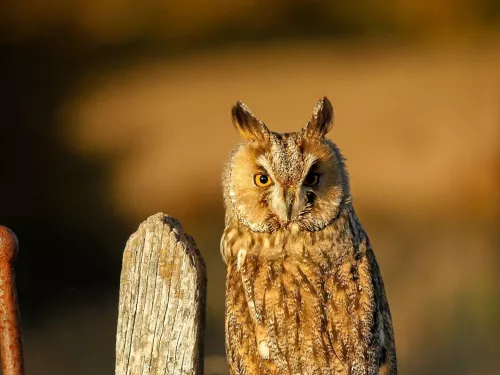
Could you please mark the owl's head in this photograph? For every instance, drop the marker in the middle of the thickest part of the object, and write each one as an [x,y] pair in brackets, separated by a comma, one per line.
[274,180]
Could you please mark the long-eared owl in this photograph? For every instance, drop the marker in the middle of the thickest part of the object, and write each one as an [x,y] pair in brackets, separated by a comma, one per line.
[304,294]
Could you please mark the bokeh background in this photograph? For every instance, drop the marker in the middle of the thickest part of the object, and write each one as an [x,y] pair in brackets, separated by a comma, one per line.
[114,110]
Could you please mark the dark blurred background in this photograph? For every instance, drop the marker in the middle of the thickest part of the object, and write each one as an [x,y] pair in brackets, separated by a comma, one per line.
[114,110]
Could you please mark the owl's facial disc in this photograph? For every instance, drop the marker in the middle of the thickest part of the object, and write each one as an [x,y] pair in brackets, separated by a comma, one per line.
[286,180]
[278,179]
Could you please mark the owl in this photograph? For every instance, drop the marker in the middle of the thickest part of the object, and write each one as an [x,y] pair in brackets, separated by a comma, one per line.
[304,294]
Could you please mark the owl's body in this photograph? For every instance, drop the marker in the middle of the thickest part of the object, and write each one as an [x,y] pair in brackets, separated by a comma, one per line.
[304,293]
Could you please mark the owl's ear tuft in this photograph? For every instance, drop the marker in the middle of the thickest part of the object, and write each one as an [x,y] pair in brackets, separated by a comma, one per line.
[249,126]
[321,121]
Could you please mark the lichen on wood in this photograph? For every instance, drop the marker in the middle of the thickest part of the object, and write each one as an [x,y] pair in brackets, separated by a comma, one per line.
[162,302]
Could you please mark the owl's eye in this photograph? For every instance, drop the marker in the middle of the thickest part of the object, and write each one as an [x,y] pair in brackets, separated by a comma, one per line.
[262,180]
[312,179]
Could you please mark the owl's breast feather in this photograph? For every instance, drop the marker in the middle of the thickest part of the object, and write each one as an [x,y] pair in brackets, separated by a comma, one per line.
[328,247]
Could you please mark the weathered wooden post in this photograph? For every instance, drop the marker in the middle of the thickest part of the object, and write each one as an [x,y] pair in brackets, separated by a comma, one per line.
[162,302]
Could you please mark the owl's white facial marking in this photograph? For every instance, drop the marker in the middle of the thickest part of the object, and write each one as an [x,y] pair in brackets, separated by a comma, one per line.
[287,203]
[277,203]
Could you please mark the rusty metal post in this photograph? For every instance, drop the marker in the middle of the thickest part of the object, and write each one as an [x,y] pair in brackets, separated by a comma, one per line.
[11,348]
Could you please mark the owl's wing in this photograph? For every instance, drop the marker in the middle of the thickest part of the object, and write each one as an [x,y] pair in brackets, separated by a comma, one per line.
[358,317]
[387,361]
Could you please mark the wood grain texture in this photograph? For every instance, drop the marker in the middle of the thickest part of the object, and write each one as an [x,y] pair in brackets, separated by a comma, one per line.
[162,302]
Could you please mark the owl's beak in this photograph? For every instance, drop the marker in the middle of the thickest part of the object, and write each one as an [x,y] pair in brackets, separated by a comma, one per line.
[291,211]
[286,204]
[289,207]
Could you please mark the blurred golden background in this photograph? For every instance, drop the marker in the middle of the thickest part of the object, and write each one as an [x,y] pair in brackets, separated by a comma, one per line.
[109,111]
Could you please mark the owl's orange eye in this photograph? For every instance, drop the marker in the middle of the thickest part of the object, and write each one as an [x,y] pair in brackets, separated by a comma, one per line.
[262,180]
[312,179]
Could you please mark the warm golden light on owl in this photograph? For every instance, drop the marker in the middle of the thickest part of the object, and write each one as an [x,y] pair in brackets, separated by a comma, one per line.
[304,294]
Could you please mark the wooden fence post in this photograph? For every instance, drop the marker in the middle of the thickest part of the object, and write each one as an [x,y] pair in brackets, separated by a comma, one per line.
[162,302]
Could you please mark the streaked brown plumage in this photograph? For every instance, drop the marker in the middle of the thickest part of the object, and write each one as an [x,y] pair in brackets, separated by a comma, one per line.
[304,293]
